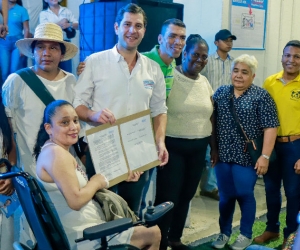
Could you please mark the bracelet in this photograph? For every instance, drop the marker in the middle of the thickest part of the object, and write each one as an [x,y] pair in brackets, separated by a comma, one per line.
[266,156]
[106,181]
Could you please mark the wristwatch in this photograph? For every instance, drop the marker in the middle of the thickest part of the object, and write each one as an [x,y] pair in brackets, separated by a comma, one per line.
[266,156]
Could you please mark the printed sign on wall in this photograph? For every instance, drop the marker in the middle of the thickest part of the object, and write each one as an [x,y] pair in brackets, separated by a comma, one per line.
[248,23]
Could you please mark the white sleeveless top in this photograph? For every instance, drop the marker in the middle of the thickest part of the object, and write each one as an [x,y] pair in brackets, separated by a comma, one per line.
[74,222]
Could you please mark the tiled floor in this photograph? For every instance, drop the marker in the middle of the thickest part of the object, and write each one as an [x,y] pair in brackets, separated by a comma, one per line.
[203,220]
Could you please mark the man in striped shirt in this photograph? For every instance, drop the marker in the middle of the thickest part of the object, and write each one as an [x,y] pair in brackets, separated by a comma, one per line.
[217,69]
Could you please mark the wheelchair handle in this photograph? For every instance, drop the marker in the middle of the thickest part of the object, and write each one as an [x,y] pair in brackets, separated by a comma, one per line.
[13,174]
[5,162]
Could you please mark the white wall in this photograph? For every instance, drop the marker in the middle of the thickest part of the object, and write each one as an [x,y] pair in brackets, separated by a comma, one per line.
[206,17]
[203,18]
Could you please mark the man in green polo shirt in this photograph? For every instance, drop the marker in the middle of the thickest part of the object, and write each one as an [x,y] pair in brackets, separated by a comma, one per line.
[171,43]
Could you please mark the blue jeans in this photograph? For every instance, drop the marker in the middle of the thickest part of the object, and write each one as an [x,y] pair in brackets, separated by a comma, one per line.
[283,169]
[257,247]
[208,179]
[10,60]
[236,183]
[144,202]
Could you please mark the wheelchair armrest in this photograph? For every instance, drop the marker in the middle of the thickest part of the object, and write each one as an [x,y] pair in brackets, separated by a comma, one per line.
[154,214]
[107,228]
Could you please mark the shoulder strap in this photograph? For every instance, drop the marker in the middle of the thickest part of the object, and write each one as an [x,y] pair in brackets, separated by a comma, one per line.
[36,85]
[235,117]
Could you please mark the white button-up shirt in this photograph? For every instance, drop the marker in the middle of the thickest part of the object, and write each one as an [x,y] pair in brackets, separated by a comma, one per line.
[107,83]
[26,110]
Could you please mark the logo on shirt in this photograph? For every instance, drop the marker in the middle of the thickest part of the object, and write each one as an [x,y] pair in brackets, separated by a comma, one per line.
[295,94]
[148,84]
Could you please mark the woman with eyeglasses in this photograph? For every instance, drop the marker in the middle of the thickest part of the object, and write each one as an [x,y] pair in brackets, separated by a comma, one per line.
[188,133]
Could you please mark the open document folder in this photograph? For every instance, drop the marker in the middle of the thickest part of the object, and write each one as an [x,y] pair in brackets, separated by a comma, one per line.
[126,145]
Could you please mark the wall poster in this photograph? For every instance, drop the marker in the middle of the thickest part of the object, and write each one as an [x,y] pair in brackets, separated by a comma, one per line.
[248,23]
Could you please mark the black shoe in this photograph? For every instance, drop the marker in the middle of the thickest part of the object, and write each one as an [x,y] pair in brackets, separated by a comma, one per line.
[178,246]
[213,194]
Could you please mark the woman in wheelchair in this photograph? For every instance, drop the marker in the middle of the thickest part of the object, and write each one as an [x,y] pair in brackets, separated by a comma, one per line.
[67,187]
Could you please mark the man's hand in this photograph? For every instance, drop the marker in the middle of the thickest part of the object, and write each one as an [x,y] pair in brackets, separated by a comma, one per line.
[3,31]
[261,166]
[6,187]
[163,154]
[134,176]
[80,68]
[297,167]
[103,116]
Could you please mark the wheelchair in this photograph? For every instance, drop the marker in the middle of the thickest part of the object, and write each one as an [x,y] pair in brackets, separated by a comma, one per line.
[46,227]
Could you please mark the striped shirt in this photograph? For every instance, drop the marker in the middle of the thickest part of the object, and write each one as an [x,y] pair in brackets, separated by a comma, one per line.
[167,70]
[218,71]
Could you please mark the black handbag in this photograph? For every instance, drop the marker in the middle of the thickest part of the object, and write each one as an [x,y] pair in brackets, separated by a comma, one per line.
[70,32]
[254,146]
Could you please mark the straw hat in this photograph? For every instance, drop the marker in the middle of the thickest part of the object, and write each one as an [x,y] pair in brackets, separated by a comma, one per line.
[47,32]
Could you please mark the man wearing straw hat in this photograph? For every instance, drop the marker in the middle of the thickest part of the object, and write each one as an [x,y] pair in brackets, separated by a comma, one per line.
[23,106]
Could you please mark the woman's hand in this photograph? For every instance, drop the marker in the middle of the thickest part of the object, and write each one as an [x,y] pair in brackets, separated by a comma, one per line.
[6,187]
[3,31]
[63,23]
[80,68]
[134,176]
[101,180]
[261,166]
[214,157]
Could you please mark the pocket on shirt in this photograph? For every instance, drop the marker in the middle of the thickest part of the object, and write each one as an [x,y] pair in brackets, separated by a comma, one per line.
[148,84]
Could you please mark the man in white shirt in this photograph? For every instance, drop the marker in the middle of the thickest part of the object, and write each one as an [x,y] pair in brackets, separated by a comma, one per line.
[120,82]
[24,108]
